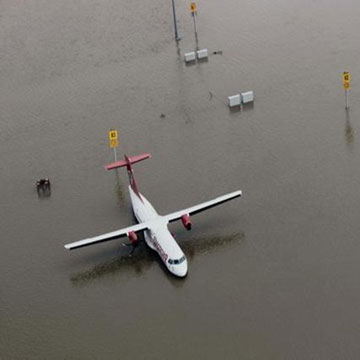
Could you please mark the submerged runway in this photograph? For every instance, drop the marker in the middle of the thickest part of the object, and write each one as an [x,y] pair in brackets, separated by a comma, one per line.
[273,276]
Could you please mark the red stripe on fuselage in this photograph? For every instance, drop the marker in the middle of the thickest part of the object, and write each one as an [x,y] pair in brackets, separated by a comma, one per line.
[159,249]
[132,178]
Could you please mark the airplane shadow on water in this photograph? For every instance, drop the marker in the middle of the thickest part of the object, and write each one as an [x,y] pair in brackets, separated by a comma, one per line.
[143,258]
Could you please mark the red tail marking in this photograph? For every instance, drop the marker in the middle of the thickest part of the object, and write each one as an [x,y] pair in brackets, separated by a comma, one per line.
[127,162]
[131,177]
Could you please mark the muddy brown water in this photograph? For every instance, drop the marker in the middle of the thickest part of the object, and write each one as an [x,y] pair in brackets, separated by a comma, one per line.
[273,275]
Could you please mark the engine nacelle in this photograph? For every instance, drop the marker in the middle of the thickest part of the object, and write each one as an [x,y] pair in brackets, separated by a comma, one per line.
[133,237]
[185,219]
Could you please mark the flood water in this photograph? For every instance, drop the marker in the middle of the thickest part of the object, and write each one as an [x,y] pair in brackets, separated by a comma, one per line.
[272,275]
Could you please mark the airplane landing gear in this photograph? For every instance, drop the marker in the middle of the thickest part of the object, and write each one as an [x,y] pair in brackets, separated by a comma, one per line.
[133,247]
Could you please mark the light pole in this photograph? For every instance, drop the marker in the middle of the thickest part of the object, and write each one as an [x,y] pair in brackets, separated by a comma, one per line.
[177,38]
[193,10]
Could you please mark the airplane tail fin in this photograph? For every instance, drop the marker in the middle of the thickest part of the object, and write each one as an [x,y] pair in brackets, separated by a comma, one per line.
[127,161]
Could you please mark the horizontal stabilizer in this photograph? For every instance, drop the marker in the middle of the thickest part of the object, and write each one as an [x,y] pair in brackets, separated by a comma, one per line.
[132,160]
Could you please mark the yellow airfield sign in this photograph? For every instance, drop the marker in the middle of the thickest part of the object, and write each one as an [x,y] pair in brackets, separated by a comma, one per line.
[113,138]
[114,143]
[113,134]
[193,8]
[346,80]
[346,76]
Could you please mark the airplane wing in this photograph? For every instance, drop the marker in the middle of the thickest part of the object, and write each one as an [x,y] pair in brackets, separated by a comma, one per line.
[204,206]
[108,236]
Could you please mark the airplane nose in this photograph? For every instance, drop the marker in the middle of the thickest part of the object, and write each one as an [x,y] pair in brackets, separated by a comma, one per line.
[182,269]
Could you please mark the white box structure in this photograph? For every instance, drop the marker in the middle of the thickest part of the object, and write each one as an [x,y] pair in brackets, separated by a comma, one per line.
[202,54]
[247,97]
[190,56]
[234,100]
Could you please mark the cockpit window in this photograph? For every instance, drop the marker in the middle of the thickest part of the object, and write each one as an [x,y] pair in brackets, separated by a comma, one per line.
[176,261]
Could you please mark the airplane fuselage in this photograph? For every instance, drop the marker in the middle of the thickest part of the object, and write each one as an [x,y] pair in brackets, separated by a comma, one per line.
[158,237]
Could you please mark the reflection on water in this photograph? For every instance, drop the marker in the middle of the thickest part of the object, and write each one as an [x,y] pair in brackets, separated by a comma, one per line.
[248,106]
[178,52]
[196,41]
[143,258]
[137,263]
[234,109]
[349,131]
[119,188]
[207,244]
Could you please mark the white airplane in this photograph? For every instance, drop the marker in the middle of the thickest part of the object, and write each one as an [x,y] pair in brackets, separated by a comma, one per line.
[156,233]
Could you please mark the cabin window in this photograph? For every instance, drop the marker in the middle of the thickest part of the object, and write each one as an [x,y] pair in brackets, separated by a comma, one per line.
[176,261]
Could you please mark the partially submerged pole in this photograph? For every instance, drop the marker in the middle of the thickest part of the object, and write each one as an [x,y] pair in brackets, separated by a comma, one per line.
[113,141]
[346,85]
[193,10]
[177,38]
